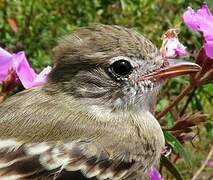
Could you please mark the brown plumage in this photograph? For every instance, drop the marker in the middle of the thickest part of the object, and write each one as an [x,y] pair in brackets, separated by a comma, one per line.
[93,118]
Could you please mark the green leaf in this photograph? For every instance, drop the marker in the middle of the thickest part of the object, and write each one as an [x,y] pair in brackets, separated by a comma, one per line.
[162,104]
[210,3]
[178,147]
[124,4]
[209,87]
[169,120]
[171,168]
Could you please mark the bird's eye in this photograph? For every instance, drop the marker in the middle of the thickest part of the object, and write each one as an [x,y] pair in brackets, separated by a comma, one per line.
[121,67]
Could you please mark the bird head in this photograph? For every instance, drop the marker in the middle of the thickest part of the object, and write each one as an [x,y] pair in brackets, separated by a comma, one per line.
[113,68]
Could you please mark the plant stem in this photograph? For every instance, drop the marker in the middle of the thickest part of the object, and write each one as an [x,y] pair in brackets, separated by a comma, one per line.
[197,174]
[186,91]
[196,82]
[187,102]
[2,97]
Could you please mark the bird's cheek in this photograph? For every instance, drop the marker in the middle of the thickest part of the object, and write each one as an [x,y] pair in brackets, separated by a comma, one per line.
[132,91]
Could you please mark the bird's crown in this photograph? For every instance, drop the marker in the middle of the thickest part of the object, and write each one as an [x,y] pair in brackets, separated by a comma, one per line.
[101,64]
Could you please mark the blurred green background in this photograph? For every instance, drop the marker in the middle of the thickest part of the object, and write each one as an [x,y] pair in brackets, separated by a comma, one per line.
[39,24]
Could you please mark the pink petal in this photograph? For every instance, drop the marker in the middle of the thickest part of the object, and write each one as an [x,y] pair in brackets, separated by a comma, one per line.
[5,64]
[207,33]
[209,49]
[205,12]
[41,78]
[189,18]
[210,164]
[154,174]
[172,48]
[201,20]
[180,51]
[23,70]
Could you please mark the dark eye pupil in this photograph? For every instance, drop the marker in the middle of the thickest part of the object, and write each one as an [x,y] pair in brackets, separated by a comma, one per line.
[121,67]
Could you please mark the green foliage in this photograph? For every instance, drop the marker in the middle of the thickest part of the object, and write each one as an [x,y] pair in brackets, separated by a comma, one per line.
[177,147]
[171,168]
[41,22]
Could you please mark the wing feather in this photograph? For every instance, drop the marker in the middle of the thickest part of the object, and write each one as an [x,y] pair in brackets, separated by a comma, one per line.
[50,160]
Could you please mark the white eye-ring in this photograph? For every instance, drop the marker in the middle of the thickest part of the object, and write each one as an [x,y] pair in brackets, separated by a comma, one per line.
[119,58]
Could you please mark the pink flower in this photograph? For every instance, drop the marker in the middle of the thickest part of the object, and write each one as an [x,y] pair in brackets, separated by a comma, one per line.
[171,46]
[154,174]
[21,67]
[210,163]
[201,21]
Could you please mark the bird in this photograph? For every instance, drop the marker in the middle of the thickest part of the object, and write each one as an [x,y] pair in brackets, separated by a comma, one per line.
[94,118]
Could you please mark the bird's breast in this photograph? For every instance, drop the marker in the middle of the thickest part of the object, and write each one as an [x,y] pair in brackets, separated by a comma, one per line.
[148,139]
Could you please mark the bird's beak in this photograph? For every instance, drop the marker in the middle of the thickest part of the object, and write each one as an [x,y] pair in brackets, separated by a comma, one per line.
[173,68]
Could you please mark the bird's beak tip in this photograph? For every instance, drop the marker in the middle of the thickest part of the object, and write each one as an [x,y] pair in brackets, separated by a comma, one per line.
[173,68]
